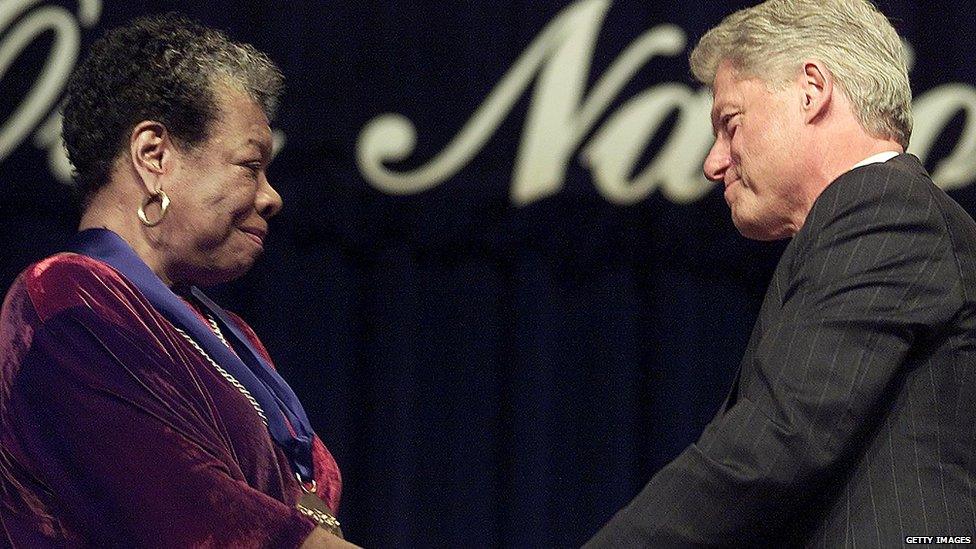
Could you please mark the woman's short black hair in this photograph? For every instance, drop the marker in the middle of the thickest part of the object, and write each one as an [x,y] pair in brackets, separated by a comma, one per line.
[163,68]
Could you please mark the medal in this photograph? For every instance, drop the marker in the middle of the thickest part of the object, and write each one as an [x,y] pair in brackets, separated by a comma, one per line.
[315,509]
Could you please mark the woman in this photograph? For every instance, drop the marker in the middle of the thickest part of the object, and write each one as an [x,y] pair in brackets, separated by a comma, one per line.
[134,410]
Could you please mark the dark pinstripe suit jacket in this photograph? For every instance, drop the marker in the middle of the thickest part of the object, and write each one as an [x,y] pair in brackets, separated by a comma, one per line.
[852,421]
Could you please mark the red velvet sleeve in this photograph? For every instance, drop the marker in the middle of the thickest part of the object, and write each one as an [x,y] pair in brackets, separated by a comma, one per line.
[106,410]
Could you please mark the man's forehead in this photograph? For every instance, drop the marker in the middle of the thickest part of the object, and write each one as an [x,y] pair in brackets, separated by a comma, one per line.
[728,88]
[723,97]
[726,79]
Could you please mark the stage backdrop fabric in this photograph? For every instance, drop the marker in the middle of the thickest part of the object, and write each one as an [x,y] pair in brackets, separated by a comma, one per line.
[499,284]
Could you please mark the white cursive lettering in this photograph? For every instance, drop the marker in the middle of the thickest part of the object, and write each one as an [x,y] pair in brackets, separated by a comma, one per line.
[933,111]
[558,120]
[60,61]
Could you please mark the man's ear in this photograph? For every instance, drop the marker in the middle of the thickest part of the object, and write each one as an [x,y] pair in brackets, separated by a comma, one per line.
[151,153]
[817,87]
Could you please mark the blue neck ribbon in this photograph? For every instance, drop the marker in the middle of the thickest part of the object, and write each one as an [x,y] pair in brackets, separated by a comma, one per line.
[276,398]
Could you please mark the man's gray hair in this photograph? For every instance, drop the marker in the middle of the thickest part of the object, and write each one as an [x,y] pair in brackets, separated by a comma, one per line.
[860,48]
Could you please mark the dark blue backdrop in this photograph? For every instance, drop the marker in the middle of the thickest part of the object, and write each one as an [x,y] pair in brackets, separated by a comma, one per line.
[489,370]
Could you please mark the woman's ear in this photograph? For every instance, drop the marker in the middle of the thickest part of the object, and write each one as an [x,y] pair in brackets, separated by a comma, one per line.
[150,151]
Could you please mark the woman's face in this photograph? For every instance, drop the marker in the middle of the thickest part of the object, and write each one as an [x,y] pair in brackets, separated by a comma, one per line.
[221,198]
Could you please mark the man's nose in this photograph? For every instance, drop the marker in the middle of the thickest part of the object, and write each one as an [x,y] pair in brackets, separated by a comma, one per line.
[717,161]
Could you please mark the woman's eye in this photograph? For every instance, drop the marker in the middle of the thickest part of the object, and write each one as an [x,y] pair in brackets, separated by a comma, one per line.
[253,168]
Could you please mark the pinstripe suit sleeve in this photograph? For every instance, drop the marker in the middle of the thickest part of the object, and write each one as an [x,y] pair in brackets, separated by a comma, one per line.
[869,278]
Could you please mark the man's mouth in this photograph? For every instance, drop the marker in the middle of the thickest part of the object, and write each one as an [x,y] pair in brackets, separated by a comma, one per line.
[728,189]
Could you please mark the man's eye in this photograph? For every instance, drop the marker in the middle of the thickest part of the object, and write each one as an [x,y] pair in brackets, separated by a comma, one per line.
[728,125]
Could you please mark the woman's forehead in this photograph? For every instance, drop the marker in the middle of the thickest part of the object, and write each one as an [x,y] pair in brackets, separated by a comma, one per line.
[241,121]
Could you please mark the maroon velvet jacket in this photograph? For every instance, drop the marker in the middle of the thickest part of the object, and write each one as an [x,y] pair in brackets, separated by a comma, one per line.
[115,431]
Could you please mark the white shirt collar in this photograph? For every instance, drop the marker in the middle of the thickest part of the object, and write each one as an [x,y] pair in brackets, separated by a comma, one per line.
[876,159]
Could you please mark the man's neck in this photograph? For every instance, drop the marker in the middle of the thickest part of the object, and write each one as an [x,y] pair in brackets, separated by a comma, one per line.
[832,161]
[877,158]
[827,161]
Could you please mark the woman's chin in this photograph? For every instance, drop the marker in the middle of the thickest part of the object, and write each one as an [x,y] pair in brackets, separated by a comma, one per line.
[215,275]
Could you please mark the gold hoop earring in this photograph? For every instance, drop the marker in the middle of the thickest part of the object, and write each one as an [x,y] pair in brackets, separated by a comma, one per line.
[163,200]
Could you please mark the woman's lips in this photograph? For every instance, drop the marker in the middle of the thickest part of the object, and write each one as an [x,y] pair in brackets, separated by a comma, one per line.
[256,235]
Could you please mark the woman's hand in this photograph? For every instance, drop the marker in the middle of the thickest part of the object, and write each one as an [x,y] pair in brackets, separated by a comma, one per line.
[320,538]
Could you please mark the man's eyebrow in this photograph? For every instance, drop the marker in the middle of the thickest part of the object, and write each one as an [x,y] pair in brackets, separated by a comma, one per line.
[719,119]
[714,117]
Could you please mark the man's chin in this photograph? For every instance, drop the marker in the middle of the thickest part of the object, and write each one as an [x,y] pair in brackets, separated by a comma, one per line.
[752,228]
[756,231]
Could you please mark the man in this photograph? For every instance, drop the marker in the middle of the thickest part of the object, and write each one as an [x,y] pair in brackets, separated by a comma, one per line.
[852,419]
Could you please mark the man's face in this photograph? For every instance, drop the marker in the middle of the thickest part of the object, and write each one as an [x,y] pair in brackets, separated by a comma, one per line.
[221,197]
[756,153]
